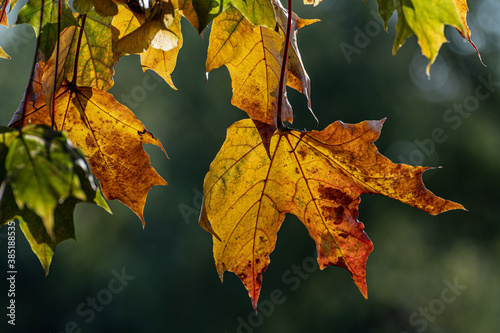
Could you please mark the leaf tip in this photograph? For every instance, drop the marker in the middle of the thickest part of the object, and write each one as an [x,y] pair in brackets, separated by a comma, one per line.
[361,284]
[448,205]
[46,266]
[254,305]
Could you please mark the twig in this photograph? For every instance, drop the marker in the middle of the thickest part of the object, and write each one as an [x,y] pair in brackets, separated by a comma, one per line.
[29,87]
[282,83]
[53,107]
[77,55]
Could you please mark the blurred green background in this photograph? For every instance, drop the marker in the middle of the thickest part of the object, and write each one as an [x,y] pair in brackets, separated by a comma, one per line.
[175,287]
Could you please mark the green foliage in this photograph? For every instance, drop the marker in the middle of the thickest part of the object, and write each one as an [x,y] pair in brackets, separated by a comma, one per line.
[43,177]
[33,12]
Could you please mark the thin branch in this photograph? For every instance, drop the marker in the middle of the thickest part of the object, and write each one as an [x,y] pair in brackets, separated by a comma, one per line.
[53,107]
[77,55]
[29,87]
[282,86]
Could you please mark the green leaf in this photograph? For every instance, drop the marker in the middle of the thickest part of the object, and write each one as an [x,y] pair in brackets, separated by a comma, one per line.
[40,172]
[42,167]
[31,13]
[95,57]
[46,166]
[425,19]
[258,12]
[94,38]
[83,6]
[33,229]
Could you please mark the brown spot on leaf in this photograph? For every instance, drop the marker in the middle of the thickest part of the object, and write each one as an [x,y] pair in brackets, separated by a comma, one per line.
[339,212]
[302,153]
[333,213]
[341,262]
[90,142]
[334,194]
[343,234]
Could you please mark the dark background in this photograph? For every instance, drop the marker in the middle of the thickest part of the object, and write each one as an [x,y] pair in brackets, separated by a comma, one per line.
[416,257]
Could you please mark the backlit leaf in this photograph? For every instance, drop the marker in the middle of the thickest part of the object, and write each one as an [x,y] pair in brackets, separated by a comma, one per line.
[137,34]
[317,176]
[258,12]
[462,11]
[93,38]
[163,62]
[43,178]
[253,56]
[111,138]
[297,77]
[95,64]
[425,19]
[126,21]
[40,171]
[31,13]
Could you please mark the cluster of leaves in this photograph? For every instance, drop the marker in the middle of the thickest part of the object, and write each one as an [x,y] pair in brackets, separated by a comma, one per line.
[43,177]
[264,169]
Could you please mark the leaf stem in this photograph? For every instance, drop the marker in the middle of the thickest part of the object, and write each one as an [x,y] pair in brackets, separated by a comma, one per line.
[53,107]
[282,83]
[29,87]
[77,55]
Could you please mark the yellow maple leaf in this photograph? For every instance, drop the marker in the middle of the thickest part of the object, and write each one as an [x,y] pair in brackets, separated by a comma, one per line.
[317,176]
[109,135]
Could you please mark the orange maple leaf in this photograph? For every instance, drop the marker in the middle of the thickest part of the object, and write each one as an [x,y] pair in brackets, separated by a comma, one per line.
[109,135]
[317,176]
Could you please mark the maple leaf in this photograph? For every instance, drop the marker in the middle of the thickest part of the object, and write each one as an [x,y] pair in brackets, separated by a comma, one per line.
[43,176]
[297,77]
[85,56]
[257,12]
[137,33]
[462,10]
[85,51]
[425,19]
[253,56]
[109,135]
[317,176]
[163,62]
[31,13]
